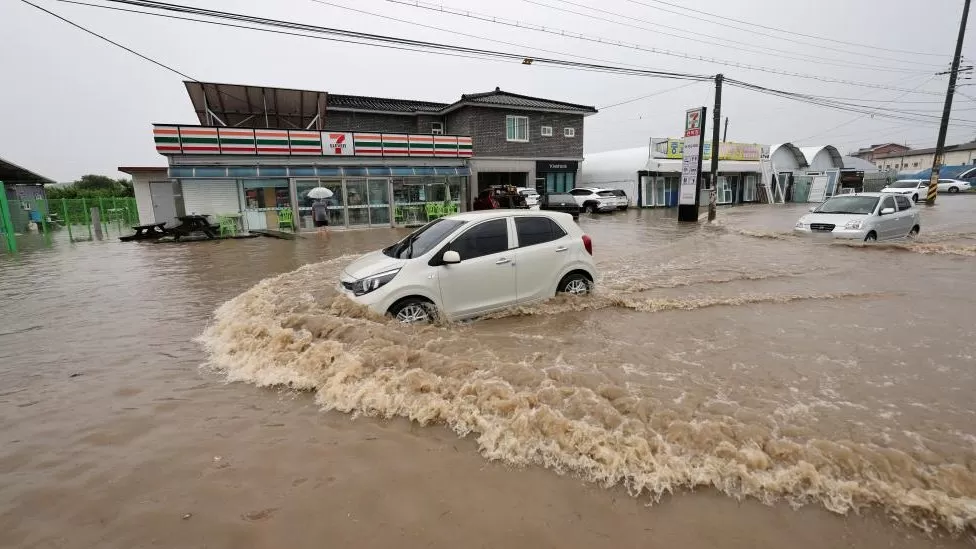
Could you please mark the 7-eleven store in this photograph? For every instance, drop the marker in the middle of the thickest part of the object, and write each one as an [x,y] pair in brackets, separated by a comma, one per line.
[377,179]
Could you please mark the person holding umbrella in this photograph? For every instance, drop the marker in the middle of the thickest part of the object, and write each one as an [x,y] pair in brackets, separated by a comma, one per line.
[320,208]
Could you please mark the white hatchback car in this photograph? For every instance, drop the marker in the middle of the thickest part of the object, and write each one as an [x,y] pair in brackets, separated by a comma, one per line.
[473,263]
[863,216]
[917,189]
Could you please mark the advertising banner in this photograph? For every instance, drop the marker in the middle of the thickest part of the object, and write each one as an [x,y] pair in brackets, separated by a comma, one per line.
[726,151]
[691,157]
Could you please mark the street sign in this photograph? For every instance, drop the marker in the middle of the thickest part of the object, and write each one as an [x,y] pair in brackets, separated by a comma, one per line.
[691,157]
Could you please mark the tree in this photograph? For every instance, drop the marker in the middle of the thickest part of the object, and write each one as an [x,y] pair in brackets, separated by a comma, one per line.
[93,186]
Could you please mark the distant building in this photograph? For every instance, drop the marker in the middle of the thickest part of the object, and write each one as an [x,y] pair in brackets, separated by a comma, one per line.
[915,160]
[23,189]
[883,149]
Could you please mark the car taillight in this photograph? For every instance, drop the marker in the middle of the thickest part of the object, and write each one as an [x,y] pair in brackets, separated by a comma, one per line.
[588,244]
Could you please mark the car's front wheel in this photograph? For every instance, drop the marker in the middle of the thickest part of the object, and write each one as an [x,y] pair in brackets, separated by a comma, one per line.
[575,283]
[589,208]
[915,199]
[413,310]
[871,237]
[913,234]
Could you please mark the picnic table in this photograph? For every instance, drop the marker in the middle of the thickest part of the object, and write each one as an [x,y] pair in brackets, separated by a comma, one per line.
[190,224]
[146,232]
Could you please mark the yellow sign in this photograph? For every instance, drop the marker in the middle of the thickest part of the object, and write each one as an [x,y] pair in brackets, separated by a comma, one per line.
[727,151]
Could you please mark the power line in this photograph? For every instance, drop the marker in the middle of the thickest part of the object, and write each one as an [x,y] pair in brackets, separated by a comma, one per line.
[432,47]
[110,41]
[632,46]
[615,14]
[792,33]
[397,42]
[432,27]
[661,92]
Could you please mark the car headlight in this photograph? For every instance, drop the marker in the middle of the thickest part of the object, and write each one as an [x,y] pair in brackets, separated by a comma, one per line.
[800,225]
[853,224]
[371,283]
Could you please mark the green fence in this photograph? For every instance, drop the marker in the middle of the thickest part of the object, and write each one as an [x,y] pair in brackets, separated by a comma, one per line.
[74,215]
[7,235]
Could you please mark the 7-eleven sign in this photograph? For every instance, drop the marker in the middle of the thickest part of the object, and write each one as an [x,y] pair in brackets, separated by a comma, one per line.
[337,144]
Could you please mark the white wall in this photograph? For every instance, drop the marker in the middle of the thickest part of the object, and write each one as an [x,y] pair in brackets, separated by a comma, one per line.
[821,161]
[918,162]
[783,160]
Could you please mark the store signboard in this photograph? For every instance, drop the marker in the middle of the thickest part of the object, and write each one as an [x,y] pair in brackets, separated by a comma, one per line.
[726,151]
[337,144]
[691,156]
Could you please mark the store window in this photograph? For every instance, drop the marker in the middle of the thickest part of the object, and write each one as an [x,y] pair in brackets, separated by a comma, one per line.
[263,200]
[749,192]
[517,128]
[437,128]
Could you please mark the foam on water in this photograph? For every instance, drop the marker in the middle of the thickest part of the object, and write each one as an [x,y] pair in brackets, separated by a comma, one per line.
[539,409]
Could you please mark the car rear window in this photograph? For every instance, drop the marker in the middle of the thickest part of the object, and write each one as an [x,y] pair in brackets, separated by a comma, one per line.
[537,230]
[618,192]
[605,194]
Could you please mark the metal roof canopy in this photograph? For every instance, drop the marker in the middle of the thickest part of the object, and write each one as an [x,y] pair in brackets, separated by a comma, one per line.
[236,105]
[12,174]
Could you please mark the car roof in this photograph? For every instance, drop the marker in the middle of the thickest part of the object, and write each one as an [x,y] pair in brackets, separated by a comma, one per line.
[876,195]
[481,215]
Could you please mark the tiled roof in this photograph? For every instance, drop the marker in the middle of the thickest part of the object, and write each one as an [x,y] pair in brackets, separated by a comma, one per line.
[503,98]
[382,104]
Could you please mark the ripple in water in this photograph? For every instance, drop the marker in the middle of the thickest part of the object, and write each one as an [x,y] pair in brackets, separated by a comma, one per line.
[536,409]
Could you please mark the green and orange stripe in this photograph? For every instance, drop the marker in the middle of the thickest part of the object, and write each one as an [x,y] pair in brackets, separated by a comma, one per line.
[197,140]
[167,139]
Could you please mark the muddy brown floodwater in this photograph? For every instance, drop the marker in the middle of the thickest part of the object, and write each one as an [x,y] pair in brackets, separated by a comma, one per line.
[728,386]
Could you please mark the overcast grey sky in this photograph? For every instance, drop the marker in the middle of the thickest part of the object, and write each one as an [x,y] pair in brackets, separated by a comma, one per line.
[72,104]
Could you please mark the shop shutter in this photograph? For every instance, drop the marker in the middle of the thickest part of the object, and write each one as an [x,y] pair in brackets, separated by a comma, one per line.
[211,196]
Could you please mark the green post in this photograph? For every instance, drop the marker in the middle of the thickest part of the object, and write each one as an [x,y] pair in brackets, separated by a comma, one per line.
[44,213]
[84,212]
[67,220]
[6,222]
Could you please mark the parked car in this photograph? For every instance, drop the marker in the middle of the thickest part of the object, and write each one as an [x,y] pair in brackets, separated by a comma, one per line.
[623,202]
[531,196]
[863,216]
[560,202]
[592,200]
[917,189]
[469,264]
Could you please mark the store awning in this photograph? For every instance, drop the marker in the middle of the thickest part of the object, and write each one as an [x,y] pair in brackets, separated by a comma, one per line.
[211,172]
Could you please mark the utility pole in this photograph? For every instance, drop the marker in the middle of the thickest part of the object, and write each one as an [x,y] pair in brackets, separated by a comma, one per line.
[944,127]
[715,134]
[725,133]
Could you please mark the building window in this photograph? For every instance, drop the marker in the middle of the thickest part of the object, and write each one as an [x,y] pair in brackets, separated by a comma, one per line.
[569,132]
[437,128]
[546,131]
[915,164]
[517,128]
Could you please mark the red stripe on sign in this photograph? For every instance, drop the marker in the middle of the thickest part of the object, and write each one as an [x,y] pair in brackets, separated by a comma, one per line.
[369,151]
[273,149]
[173,148]
[190,148]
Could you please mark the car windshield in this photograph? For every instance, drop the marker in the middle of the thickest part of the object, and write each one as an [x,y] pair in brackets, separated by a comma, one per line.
[849,205]
[423,239]
[903,185]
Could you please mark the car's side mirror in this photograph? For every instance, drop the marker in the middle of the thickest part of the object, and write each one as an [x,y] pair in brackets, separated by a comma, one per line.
[887,211]
[451,257]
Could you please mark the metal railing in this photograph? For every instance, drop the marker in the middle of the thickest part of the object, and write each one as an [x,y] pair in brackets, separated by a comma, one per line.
[74,215]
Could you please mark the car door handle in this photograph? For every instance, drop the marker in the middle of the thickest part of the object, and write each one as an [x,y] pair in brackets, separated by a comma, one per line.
[502,261]
[561,249]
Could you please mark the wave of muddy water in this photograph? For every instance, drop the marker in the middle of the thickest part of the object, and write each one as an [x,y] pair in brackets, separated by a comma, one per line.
[766,368]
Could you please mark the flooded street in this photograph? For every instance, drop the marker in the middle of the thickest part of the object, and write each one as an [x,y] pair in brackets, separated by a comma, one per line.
[727,386]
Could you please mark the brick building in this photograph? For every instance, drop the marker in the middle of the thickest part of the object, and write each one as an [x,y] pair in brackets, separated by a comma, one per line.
[258,151]
[875,151]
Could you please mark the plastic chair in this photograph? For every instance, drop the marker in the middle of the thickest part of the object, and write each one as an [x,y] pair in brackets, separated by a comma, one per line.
[433,211]
[452,208]
[398,214]
[286,218]
[227,224]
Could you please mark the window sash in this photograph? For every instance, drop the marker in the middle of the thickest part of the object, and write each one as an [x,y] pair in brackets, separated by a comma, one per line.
[516,128]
